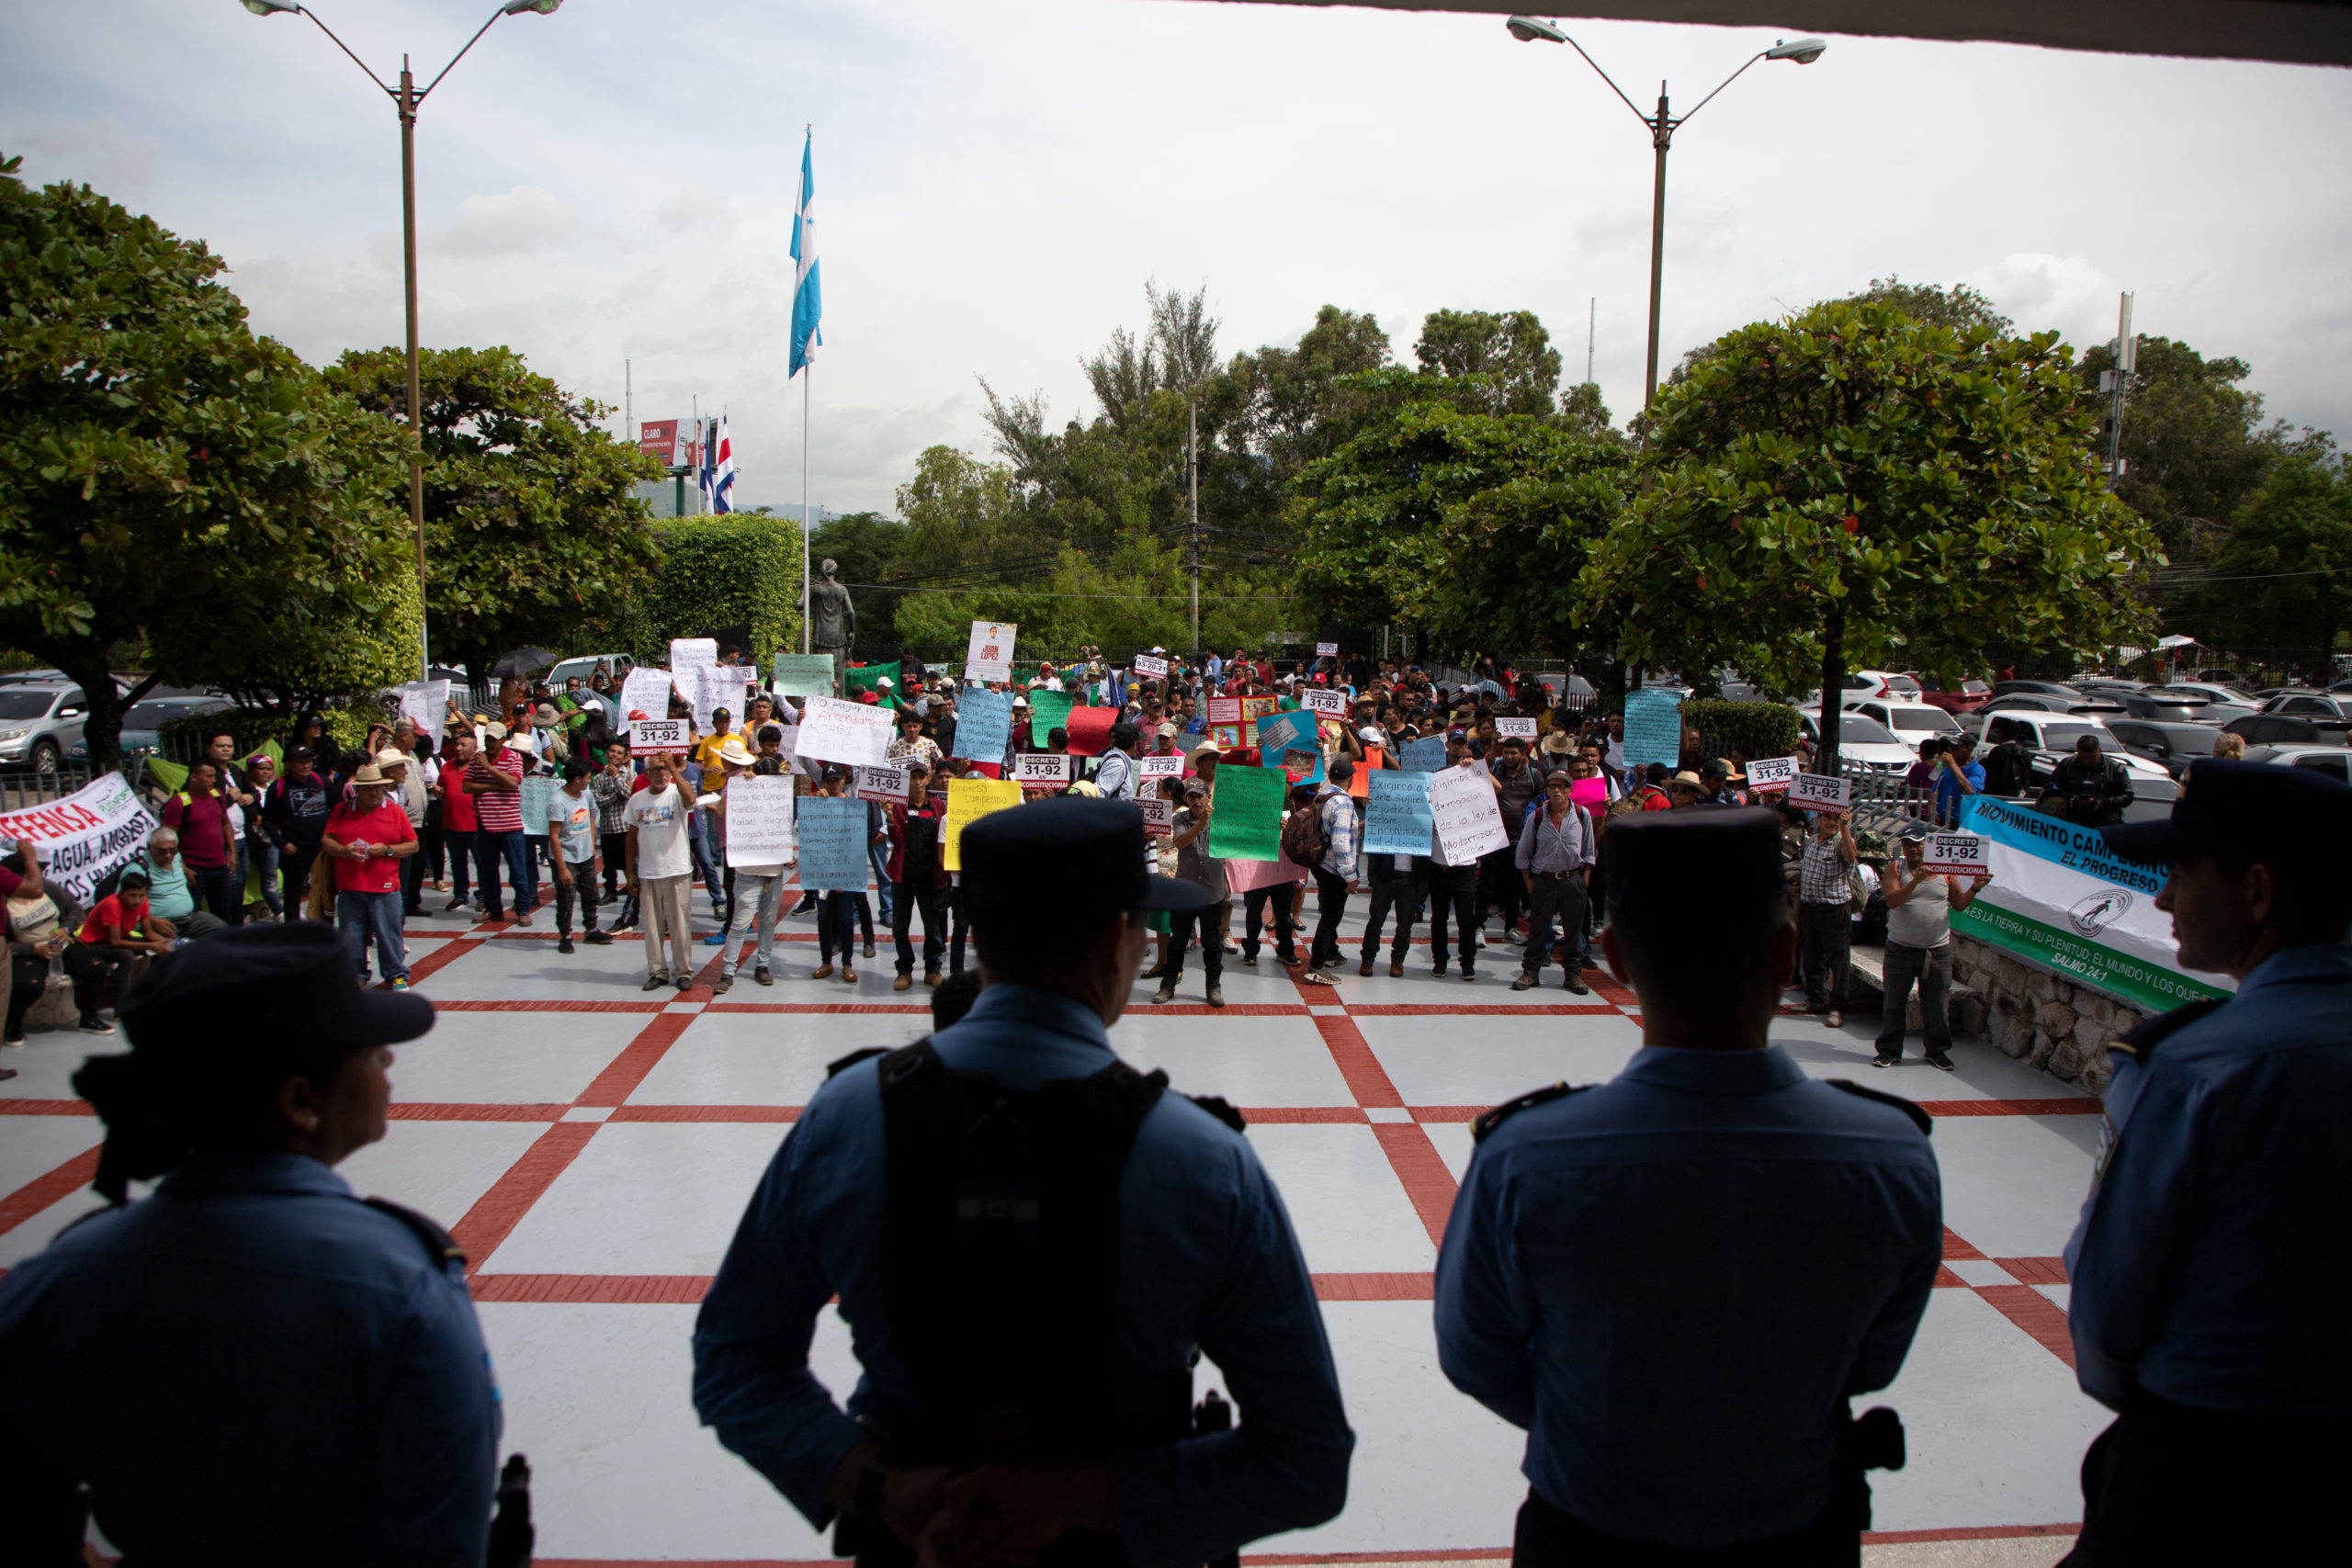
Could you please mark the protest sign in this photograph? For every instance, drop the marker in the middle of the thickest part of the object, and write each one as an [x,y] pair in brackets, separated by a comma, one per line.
[1152,769]
[983,724]
[427,704]
[1463,810]
[1090,730]
[1043,768]
[1770,775]
[717,686]
[1522,728]
[1327,650]
[1248,821]
[670,735]
[2061,899]
[835,731]
[89,834]
[1329,705]
[969,800]
[1287,741]
[1145,664]
[1818,791]
[1159,814]
[1049,711]
[686,652]
[758,820]
[886,785]
[538,790]
[1225,710]
[1225,737]
[645,692]
[1653,728]
[1957,854]
[1257,707]
[1592,794]
[1246,875]
[1396,814]
[832,844]
[1374,761]
[1426,755]
[804,674]
[882,680]
[989,657]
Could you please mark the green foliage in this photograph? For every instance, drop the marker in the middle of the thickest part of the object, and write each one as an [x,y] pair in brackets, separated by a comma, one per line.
[1509,355]
[2193,448]
[1295,405]
[1759,729]
[165,476]
[530,527]
[1962,308]
[714,570]
[2290,552]
[866,548]
[1855,486]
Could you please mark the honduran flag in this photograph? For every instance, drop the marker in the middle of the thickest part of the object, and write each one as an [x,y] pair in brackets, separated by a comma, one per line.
[807,304]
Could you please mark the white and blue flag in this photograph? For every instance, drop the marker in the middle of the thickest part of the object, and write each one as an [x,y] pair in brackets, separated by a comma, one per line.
[807,304]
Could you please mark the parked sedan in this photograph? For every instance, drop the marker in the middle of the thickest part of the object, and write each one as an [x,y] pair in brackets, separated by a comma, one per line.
[143,721]
[2170,744]
[2285,729]
[2335,762]
[1972,695]
[1862,741]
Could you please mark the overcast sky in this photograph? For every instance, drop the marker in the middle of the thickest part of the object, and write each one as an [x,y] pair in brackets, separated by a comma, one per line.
[997,178]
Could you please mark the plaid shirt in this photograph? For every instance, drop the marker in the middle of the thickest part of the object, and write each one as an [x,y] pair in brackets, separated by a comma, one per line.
[1825,879]
[612,800]
[1339,813]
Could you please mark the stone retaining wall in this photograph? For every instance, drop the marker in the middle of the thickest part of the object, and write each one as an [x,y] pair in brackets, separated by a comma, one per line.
[2057,1024]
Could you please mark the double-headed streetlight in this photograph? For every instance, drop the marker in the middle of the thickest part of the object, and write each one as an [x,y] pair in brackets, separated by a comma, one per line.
[1662,127]
[405,98]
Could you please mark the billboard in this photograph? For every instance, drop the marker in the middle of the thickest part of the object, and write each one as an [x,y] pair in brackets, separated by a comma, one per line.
[659,438]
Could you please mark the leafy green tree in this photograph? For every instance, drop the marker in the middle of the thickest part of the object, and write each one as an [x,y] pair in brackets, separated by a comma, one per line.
[531,531]
[1854,485]
[2283,579]
[1298,404]
[1961,306]
[867,547]
[165,476]
[2194,449]
[1509,353]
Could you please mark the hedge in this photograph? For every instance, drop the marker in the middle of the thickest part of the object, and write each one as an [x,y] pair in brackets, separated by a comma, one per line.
[1760,729]
[715,571]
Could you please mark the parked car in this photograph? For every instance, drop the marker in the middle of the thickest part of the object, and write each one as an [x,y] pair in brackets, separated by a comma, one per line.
[2170,744]
[1884,683]
[2318,707]
[2099,686]
[2335,762]
[2161,703]
[2035,689]
[2042,702]
[143,721]
[1862,741]
[2222,704]
[1972,695]
[584,665]
[2286,729]
[39,723]
[1912,722]
[2215,677]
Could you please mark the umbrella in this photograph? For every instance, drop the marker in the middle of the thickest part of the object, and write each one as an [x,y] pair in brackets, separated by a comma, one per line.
[522,662]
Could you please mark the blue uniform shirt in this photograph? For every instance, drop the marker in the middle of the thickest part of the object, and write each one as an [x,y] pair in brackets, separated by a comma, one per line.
[253,1366]
[2209,1266]
[1675,1280]
[1206,1259]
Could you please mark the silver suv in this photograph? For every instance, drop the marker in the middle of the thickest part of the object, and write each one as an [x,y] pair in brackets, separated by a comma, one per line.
[40,722]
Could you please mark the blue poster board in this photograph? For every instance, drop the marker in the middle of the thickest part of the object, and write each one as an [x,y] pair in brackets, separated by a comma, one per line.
[537,791]
[1653,729]
[1426,755]
[832,844]
[1396,818]
[1286,732]
[983,724]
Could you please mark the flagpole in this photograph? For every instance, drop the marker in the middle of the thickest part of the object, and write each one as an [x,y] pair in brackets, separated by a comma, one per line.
[806,367]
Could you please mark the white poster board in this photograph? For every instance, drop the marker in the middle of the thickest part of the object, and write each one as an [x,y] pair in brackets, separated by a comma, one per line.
[1522,728]
[884,786]
[1818,791]
[426,703]
[758,820]
[1145,664]
[1327,650]
[1151,768]
[1770,775]
[1326,704]
[989,657]
[1463,809]
[1159,814]
[835,731]
[647,691]
[1043,768]
[717,686]
[1959,854]
[673,736]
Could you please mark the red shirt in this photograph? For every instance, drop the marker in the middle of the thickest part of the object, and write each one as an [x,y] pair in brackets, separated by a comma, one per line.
[106,924]
[386,825]
[457,814]
[498,811]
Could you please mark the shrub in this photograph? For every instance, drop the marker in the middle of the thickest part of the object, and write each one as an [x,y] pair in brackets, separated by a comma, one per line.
[717,571]
[1761,729]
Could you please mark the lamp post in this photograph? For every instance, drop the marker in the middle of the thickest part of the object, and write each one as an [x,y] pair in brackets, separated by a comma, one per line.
[405,98]
[1662,127]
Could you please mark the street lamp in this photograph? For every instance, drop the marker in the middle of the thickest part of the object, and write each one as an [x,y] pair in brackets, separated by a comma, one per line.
[1662,126]
[405,100]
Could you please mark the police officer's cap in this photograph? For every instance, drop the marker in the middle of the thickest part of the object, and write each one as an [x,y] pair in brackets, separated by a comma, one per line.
[2242,808]
[1065,855]
[257,982]
[1670,864]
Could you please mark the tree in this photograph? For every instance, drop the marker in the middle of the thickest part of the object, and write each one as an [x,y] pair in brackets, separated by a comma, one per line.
[2193,448]
[1857,485]
[2284,577]
[868,549]
[166,476]
[530,526]
[1296,404]
[1961,306]
[1510,354]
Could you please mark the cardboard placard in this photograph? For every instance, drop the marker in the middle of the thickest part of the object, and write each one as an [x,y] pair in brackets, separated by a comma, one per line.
[646,692]
[1248,822]
[1159,814]
[758,820]
[1326,703]
[1152,769]
[989,657]
[1374,760]
[1396,814]
[1244,876]
[1327,650]
[983,726]
[1463,809]
[1090,730]
[718,686]
[1225,710]
[1145,664]
[1818,791]
[672,736]
[1770,775]
[1522,728]
[836,732]
[426,703]
[1043,768]
[804,674]
[537,792]
[1959,854]
[686,652]
[1426,755]
[969,800]
[886,785]
[832,844]
[1653,729]
[1049,711]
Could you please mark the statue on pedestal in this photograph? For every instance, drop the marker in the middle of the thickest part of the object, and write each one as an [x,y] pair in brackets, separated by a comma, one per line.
[832,620]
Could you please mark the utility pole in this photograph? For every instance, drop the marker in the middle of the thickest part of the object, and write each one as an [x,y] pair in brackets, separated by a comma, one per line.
[2116,382]
[1193,463]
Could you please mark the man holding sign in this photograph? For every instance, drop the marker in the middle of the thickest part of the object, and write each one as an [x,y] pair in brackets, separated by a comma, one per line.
[1920,903]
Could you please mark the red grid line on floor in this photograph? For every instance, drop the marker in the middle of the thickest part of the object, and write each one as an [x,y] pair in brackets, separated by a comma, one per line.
[497,1211]
[51,1186]
[1425,1178]
[1366,1079]
[1955,1247]
[578,1290]
[640,1056]
[2036,1271]
[2036,1314]
[46,1108]
[440,1005]
[1497,1009]
[440,958]
[2081,1106]
[428,1111]
[813,1009]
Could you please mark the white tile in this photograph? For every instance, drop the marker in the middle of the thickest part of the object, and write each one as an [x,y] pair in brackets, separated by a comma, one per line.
[643,1198]
[1351,1212]
[511,1058]
[1454,1145]
[1485,1061]
[1328,1011]
[755,1058]
[439,1169]
[532,970]
[1980,1271]
[588,1113]
[1249,1061]
[32,1146]
[2060,1294]
[2014,1184]
[684,1007]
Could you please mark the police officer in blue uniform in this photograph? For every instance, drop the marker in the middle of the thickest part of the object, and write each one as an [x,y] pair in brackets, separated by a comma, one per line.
[2212,1269]
[1676,1281]
[252,1365]
[1032,1244]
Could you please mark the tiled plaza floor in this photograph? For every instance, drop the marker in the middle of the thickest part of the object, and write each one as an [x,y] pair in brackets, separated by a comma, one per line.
[592,1145]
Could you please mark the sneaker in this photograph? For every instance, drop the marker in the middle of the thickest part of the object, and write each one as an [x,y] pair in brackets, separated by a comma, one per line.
[1834,1019]
[903,983]
[715,939]
[724,983]
[1217,995]
[1468,974]
[869,949]
[1250,959]
[97,1026]
[597,939]
[1515,937]
[1165,994]
[1576,983]
[1938,1059]
[1883,1060]
[654,982]
[1524,983]
[563,944]
[399,984]
[931,976]
[13,1040]
[823,971]
[1438,967]
[762,978]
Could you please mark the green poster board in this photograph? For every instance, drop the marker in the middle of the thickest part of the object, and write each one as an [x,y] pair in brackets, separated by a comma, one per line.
[1248,821]
[1049,710]
[866,678]
[804,674]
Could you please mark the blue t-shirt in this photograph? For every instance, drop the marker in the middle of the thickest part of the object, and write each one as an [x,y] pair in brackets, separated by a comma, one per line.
[1948,791]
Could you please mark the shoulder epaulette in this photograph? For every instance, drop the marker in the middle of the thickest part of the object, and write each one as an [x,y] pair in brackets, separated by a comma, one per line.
[439,1245]
[1920,1119]
[1216,1106]
[2142,1038]
[834,1069]
[1488,1120]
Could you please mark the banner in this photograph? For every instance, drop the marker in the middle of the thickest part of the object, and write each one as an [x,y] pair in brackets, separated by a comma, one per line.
[1396,814]
[758,820]
[1159,814]
[1090,730]
[1248,822]
[1653,729]
[1426,755]
[983,724]
[1463,808]
[1049,711]
[658,439]
[832,844]
[427,704]
[1043,768]
[89,834]
[646,692]
[1522,728]
[1818,791]
[885,785]
[1145,664]
[989,657]
[969,800]
[835,731]
[2060,899]
[670,735]
[858,679]
[1328,704]
[1957,855]
[1770,775]
[538,791]
[804,674]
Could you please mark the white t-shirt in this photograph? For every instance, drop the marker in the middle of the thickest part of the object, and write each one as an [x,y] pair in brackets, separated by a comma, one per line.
[659,819]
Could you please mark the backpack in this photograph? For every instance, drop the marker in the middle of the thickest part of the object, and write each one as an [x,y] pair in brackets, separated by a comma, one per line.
[1303,839]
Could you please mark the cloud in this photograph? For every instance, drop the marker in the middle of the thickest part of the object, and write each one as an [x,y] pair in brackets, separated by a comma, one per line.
[98,153]
[526,219]
[2040,293]
[699,210]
